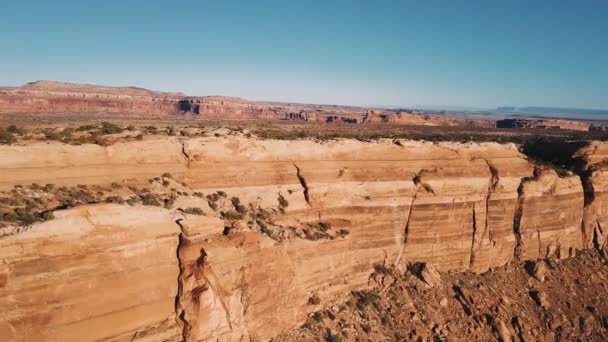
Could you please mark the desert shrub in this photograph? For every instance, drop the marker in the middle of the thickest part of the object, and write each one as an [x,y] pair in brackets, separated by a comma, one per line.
[213,197]
[324,226]
[48,215]
[314,299]
[212,205]
[15,130]
[110,128]
[381,269]
[222,193]
[343,232]
[7,138]
[231,215]
[8,216]
[167,175]
[115,199]
[331,337]
[86,128]
[194,211]
[236,203]
[139,137]
[365,298]
[170,200]
[150,199]
[283,203]
[151,129]
[133,200]
[25,215]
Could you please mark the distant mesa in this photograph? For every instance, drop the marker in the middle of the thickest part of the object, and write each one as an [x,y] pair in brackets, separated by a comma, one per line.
[59,97]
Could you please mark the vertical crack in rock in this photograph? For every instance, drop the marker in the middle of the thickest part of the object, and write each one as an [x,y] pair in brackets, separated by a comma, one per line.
[588,198]
[517,253]
[185,154]
[194,279]
[180,311]
[517,215]
[491,188]
[406,231]
[598,236]
[474,226]
[303,183]
[539,244]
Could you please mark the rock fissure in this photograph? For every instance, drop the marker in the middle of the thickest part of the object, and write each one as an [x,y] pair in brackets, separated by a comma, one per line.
[474,232]
[185,154]
[517,216]
[180,311]
[304,185]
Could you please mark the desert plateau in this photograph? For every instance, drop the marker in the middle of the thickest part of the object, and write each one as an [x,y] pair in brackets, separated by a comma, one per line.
[318,171]
[191,226]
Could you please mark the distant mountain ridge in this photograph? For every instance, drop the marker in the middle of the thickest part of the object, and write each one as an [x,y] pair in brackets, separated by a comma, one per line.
[578,113]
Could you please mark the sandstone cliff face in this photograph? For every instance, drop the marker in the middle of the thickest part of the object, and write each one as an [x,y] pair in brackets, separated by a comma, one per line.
[457,206]
[595,181]
[104,272]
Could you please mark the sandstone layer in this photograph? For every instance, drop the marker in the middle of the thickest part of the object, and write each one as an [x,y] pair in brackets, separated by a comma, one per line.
[140,272]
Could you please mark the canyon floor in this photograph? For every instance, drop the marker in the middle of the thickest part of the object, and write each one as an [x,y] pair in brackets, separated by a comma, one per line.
[177,228]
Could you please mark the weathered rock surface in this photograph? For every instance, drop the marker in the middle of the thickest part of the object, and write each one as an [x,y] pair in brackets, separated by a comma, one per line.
[595,182]
[149,273]
[100,272]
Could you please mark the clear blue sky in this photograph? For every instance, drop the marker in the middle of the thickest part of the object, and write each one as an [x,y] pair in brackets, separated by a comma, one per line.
[462,53]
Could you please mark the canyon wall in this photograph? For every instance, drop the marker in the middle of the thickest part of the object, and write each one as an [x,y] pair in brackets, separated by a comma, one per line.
[140,272]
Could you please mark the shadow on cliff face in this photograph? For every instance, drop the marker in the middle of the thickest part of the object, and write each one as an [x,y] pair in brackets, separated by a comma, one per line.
[559,155]
[556,153]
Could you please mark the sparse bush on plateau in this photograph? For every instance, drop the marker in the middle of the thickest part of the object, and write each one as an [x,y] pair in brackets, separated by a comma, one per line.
[7,138]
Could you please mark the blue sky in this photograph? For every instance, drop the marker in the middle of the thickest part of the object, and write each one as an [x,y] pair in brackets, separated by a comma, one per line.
[458,53]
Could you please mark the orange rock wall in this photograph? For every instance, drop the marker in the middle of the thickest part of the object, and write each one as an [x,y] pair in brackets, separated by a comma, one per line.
[161,274]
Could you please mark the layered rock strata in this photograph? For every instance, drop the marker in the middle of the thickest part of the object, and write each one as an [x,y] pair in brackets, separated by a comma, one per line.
[153,273]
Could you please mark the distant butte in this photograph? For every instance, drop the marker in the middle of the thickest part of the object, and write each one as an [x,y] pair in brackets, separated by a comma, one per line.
[59,97]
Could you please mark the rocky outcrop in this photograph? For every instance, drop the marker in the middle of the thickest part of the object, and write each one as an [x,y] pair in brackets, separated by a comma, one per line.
[418,119]
[106,272]
[179,276]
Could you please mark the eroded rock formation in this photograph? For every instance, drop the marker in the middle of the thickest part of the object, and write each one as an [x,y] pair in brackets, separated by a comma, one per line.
[151,273]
